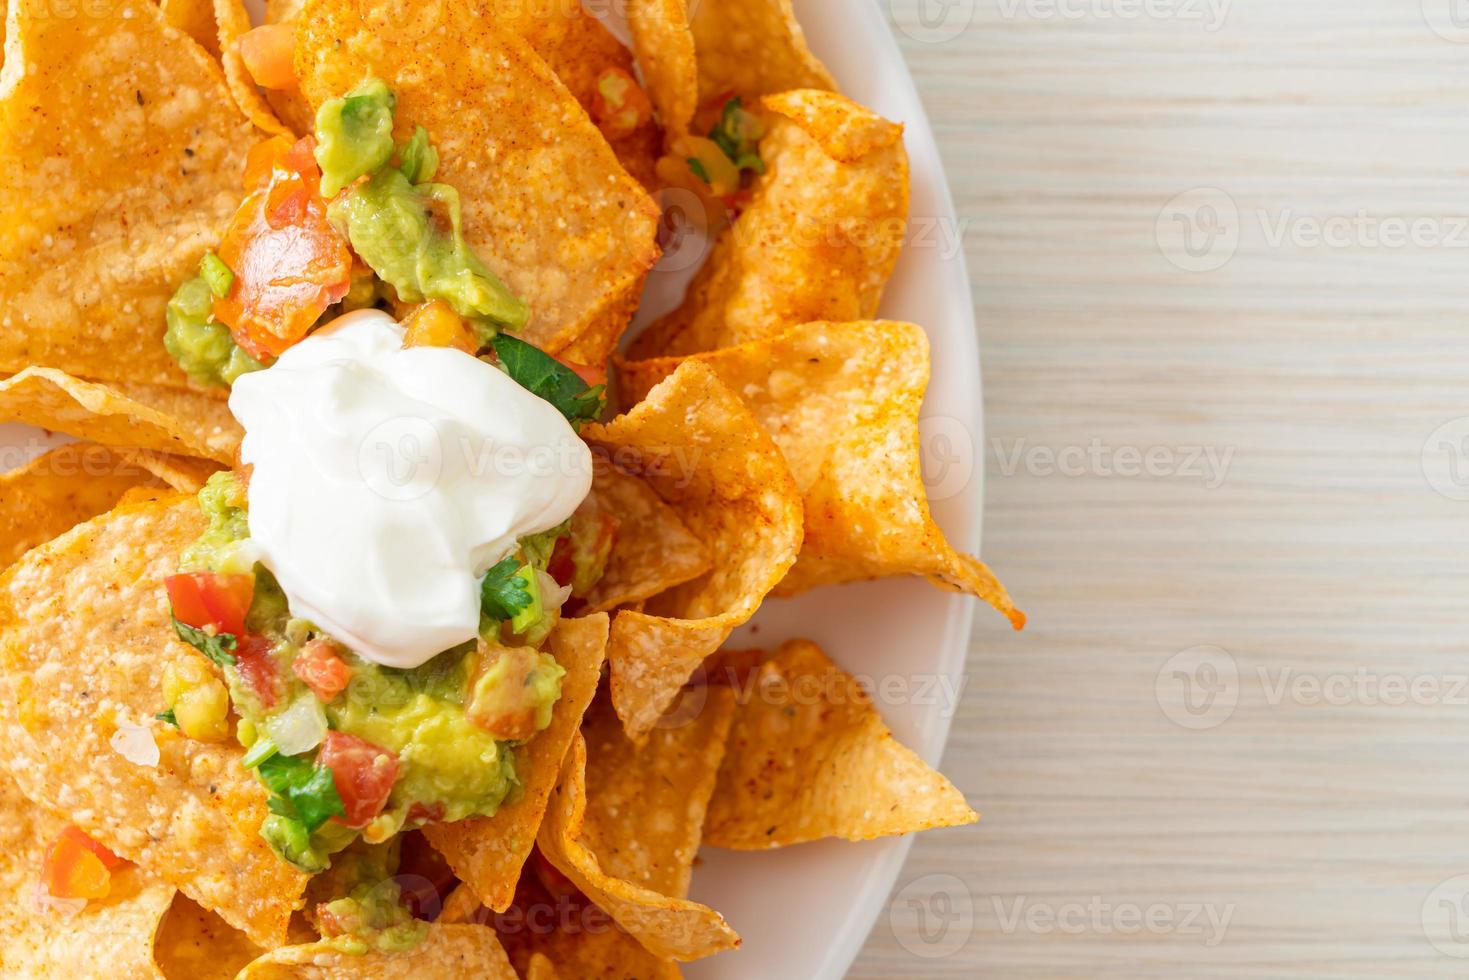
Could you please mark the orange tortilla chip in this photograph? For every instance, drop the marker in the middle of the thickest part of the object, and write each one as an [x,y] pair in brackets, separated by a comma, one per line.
[818,240]
[196,19]
[487,852]
[92,410]
[645,804]
[653,551]
[289,105]
[561,930]
[234,20]
[58,490]
[120,161]
[196,944]
[700,450]
[576,270]
[751,48]
[841,401]
[447,952]
[88,613]
[668,927]
[112,936]
[809,757]
[182,473]
[665,51]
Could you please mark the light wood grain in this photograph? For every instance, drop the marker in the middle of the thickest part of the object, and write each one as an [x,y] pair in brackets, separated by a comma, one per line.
[1321,829]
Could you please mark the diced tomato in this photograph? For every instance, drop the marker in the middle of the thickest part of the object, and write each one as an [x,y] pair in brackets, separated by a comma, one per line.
[267,52]
[425,812]
[591,374]
[255,661]
[562,566]
[322,669]
[204,599]
[289,263]
[363,773]
[77,866]
[261,161]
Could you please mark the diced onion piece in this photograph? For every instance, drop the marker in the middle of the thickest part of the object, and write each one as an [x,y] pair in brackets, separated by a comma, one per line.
[135,743]
[299,727]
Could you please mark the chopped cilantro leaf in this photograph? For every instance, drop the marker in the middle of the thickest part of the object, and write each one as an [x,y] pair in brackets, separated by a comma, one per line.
[167,717]
[301,790]
[216,647]
[217,276]
[502,593]
[543,375]
[697,166]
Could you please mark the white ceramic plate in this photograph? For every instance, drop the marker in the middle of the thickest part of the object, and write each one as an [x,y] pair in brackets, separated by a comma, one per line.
[805,911]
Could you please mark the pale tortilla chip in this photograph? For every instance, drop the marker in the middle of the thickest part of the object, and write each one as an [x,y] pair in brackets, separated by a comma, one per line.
[110,937]
[120,162]
[196,944]
[487,853]
[753,47]
[92,410]
[668,927]
[182,473]
[817,242]
[234,20]
[699,448]
[646,804]
[58,490]
[545,202]
[447,952]
[653,550]
[85,634]
[809,757]
[841,401]
[664,46]
[196,19]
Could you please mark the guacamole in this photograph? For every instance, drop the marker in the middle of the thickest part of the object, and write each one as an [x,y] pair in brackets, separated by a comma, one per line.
[203,346]
[407,230]
[429,744]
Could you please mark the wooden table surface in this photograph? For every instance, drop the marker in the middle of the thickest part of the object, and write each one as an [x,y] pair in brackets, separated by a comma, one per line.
[1220,256]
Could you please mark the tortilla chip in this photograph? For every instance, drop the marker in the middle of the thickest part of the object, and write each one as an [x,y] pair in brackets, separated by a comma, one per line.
[196,19]
[108,937]
[182,473]
[55,492]
[557,219]
[196,944]
[841,401]
[540,968]
[664,47]
[818,240]
[234,20]
[700,450]
[85,635]
[668,926]
[751,48]
[645,804]
[92,410]
[447,952]
[653,551]
[487,852]
[577,939]
[809,757]
[120,162]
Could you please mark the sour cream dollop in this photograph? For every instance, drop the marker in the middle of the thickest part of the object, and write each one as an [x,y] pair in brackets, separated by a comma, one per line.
[386,481]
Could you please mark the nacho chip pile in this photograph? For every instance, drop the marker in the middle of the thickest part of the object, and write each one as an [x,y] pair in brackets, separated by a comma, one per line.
[767,443]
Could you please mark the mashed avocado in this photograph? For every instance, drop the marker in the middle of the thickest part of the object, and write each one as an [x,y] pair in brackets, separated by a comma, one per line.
[202,346]
[354,134]
[449,768]
[406,229]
